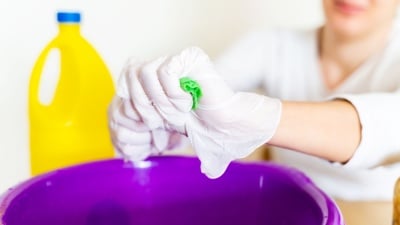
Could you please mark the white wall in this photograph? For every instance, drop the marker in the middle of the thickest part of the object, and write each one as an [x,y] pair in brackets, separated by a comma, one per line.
[119,29]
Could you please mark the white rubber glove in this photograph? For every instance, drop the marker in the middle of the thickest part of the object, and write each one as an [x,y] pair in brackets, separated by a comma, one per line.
[226,126]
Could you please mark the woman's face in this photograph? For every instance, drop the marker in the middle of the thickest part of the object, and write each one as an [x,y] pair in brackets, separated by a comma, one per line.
[352,18]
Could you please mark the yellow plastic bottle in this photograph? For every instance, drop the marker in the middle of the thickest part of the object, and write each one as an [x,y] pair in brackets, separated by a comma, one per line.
[73,127]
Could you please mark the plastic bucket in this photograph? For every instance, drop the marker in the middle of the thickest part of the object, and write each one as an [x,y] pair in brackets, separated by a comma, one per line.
[168,190]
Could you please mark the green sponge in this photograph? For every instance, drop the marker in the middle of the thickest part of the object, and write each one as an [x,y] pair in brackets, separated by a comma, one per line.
[193,88]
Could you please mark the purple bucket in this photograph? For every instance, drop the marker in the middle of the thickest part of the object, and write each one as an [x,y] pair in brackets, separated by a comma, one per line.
[168,190]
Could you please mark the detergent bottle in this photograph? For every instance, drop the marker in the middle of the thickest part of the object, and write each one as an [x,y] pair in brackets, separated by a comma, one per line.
[72,127]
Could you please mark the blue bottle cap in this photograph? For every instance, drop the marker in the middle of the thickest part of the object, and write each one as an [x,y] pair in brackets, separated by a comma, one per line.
[68,17]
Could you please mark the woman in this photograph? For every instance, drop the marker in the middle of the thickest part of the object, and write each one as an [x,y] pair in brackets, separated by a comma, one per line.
[331,97]
[354,56]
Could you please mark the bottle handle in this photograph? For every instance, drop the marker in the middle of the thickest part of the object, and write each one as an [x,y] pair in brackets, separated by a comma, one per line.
[58,107]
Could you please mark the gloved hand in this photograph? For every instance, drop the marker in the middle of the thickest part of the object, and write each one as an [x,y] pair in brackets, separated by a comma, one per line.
[226,125]
[131,137]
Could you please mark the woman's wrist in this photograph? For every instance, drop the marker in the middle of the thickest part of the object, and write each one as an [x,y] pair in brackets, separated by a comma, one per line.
[330,130]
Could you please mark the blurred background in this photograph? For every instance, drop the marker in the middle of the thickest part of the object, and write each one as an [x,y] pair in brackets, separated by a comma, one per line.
[119,29]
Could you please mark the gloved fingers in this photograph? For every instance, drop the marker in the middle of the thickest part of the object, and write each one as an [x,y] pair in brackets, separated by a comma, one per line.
[124,107]
[188,60]
[120,113]
[195,64]
[213,164]
[139,145]
[213,167]
[134,152]
[141,101]
[132,65]
[175,140]
[211,153]
[150,83]
[155,92]
[169,79]
[160,138]
[127,136]
[128,110]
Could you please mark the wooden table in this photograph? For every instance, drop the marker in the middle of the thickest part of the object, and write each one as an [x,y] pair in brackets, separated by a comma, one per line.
[366,213]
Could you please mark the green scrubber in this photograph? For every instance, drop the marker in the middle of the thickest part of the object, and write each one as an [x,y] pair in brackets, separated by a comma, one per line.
[193,88]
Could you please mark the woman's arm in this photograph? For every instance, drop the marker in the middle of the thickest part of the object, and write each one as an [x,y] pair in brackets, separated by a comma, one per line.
[330,130]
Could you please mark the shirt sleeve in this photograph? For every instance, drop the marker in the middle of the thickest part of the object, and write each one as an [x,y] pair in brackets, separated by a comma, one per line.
[243,64]
[379,115]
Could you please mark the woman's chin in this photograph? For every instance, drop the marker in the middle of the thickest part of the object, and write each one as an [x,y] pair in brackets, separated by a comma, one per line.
[348,29]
